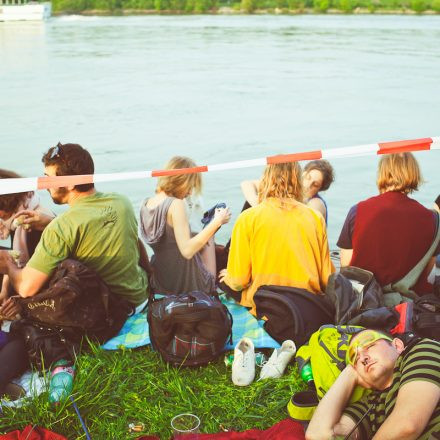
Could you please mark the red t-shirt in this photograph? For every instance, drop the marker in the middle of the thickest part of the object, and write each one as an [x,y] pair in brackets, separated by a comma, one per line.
[389,235]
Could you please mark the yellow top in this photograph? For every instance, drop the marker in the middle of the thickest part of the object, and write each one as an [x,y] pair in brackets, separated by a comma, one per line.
[281,245]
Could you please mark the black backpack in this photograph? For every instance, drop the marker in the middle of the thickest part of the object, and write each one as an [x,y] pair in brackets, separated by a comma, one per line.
[76,303]
[420,318]
[189,329]
[292,313]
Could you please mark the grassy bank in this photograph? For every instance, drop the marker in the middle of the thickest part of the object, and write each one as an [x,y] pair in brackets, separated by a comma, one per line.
[113,389]
[245,6]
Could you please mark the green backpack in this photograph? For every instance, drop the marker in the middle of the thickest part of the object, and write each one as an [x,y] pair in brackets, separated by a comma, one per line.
[325,351]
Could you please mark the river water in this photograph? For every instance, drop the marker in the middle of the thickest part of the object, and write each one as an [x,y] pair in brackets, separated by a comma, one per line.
[137,90]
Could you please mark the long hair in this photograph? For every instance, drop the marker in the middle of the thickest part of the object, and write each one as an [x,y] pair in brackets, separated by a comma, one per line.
[282,181]
[398,172]
[10,202]
[180,185]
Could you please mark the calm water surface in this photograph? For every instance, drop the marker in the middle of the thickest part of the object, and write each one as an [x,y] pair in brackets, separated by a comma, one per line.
[137,90]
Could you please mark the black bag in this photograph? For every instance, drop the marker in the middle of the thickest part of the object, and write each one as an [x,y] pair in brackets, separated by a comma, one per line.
[419,318]
[45,345]
[189,329]
[78,302]
[358,299]
[292,313]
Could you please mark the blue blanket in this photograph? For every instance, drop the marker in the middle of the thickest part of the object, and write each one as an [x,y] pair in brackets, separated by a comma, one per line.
[135,332]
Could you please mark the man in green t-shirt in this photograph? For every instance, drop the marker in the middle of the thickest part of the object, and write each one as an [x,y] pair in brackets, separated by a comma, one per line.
[99,230]
[404,402]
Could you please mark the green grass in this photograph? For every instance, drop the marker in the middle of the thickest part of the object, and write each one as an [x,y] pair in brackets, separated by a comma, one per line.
[113,389]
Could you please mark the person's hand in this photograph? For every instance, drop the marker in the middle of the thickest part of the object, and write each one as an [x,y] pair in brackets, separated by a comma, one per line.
[222,215]
[33,220]
[10,309]
[222,275]
[356,377]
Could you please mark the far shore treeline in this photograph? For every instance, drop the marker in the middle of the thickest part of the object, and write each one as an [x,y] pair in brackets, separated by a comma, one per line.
[126,7]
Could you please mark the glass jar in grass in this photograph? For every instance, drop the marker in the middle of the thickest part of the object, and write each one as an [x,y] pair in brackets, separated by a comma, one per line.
[183,424]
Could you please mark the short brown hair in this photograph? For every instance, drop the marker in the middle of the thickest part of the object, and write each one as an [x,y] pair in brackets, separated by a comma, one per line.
[324,166]
[282,181]
[10,202]
[180,184]
[70,160]
[398,172]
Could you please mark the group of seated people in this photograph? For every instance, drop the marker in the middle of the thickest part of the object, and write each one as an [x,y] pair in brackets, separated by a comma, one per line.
[280,238]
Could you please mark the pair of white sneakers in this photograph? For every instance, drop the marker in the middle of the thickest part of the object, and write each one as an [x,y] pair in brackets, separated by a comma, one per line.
[243,366]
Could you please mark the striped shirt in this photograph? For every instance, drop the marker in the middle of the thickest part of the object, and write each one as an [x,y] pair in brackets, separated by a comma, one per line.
[419,362]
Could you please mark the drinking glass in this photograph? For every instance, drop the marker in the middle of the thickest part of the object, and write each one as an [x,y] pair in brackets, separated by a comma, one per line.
[185,424]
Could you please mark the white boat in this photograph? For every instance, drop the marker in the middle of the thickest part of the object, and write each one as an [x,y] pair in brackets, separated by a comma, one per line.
[19,10]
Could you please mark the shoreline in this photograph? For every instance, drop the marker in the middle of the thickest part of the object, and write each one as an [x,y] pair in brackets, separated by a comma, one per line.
[232,11]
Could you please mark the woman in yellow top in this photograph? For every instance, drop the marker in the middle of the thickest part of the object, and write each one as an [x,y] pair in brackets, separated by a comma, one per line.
[280,241]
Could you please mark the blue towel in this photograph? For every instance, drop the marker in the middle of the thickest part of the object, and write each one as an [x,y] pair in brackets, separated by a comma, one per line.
[135,332]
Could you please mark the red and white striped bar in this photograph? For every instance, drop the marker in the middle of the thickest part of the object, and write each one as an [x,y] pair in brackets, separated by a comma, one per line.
[16,185]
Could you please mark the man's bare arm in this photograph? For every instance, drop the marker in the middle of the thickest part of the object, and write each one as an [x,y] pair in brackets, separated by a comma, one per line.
[27,281]
[415,403]
[346,256]
[328,414]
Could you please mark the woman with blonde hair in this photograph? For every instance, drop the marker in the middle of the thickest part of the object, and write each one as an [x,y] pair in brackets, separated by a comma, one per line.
[182,261]
[317,176]
[280,241]
[389,234]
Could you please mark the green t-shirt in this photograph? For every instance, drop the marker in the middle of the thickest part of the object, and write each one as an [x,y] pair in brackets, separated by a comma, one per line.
[419,362]
[100,231]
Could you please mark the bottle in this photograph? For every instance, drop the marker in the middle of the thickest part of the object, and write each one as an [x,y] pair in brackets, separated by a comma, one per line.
[307,375]
[61,382]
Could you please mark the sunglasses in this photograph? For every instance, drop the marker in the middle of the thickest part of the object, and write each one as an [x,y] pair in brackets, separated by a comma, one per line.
[56,151]
[362,341]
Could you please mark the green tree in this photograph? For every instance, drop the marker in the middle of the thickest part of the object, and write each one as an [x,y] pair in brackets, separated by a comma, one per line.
[321,5]
[296,5]
[418,5]
[249,5]
[345,5]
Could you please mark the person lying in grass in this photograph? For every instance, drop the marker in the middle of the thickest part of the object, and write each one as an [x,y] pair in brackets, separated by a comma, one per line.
[405,400]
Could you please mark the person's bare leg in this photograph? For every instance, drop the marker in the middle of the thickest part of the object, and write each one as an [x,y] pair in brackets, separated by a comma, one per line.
[207,254]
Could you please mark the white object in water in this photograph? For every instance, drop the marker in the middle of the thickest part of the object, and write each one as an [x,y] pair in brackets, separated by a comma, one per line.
[21,10]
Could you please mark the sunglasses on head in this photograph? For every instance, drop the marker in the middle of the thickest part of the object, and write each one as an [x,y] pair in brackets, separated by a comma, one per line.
[365,339]
[56,151]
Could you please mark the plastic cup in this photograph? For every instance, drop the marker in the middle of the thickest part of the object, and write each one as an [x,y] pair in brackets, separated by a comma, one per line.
[185,424]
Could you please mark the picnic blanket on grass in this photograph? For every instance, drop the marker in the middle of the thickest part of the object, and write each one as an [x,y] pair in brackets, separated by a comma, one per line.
[135,332]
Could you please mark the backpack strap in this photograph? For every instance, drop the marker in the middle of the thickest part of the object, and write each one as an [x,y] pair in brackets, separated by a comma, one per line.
[405,284]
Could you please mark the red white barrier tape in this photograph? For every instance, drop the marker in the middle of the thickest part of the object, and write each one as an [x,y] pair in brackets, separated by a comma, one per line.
[9,186]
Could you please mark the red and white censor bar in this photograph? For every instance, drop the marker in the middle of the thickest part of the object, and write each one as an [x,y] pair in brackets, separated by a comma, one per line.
[9,186]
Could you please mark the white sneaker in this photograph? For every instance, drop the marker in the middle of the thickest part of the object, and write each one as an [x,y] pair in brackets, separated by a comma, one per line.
[277,363]
[243,366]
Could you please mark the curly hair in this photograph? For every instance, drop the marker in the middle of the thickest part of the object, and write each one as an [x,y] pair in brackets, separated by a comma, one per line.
[180,185]
[70,160]
[282,181]
[10,202]
[398,172]
[324,166]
